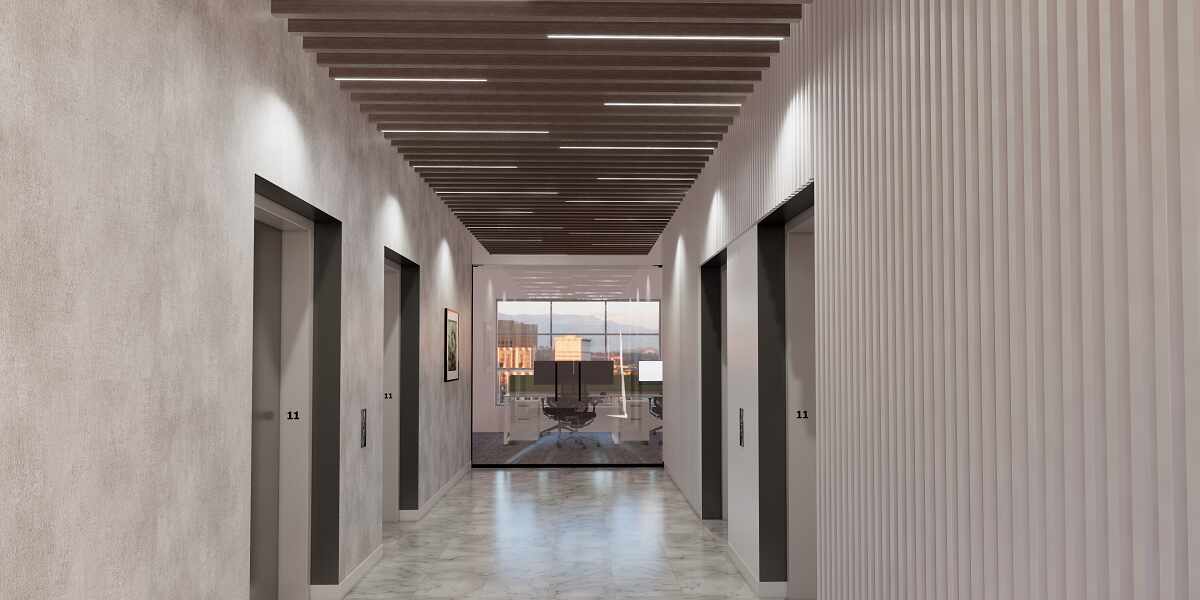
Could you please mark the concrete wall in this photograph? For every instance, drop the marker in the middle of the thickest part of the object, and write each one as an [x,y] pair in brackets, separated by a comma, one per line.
[1008,301]
[129,141]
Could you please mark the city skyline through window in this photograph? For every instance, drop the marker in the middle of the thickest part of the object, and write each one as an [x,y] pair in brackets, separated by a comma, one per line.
[622,331]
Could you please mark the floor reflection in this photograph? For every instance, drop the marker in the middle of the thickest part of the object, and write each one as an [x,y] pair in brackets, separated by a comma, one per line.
[556,533]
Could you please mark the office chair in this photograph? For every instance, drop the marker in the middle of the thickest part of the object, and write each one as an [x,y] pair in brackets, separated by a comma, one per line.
[656,411]
[569,408]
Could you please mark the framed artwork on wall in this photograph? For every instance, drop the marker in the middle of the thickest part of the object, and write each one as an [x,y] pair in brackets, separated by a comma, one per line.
[451,346]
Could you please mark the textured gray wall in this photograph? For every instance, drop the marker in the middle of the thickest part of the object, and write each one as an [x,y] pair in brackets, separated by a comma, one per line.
[129,139]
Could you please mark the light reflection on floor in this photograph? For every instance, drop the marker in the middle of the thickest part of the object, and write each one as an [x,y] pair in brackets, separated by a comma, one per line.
[556,533]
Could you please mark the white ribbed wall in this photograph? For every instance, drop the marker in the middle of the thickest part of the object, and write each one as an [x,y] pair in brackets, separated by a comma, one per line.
[1008,221]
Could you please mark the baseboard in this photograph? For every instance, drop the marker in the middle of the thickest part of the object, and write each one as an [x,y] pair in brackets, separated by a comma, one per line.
[763,589]
[742,567]
[418,514]
[695,509]
[339,591]
[772,589]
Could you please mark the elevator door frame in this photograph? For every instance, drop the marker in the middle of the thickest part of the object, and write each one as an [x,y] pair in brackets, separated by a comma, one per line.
[295,396]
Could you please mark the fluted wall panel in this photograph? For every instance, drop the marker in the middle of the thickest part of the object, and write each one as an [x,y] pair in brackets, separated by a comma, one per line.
[1008,291]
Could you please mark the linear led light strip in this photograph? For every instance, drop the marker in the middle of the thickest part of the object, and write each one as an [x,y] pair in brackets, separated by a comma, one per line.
[632,219]
[470,131]
[645,179]
[680,104]
[513,227]
[621,201]
[496,241]
[464,166]
[636,148]
[415,79]
[682,38]
[494,212]
[654,233]
[502,193]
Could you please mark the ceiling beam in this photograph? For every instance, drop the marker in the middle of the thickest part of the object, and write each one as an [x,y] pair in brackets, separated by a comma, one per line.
[484,89]
[518,10]
[504,100]
[552,74]
[526,29]
[457,46]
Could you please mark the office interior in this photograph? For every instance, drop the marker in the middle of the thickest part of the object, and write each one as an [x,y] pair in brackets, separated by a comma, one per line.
[682,299]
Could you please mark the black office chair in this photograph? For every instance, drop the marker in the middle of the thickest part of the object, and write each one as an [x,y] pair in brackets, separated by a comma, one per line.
[656,411]
[569,408]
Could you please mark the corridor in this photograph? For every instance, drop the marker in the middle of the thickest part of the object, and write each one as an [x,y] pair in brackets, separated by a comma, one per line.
[570,534]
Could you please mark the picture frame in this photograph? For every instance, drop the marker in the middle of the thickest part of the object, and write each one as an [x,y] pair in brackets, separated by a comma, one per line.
[451,354]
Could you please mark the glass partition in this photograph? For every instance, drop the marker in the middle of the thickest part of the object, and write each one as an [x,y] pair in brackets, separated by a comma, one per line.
[570,384]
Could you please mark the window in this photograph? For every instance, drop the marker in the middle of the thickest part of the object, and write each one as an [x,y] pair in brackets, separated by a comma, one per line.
[624,332]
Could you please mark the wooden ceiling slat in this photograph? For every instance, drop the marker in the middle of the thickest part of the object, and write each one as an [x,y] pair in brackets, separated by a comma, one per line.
[410,141]
[526,175]
[554,74]
[560,86]
[596,109]
[525,29]
[484,89]
[504,100]
[547,119]
[519,10]
[541,61]
[563,130]
[457,46]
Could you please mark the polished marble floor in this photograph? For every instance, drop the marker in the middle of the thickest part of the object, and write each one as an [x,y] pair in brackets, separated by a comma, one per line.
[584,448]
[556,533]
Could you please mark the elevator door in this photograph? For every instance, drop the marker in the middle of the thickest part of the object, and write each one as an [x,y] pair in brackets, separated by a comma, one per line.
[264,465]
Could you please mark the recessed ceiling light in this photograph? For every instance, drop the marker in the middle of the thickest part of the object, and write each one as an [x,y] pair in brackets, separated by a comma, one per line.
[464,166]
[685,38]
[470,131]
[636,148]
[645,179]
[632,219]
[416,79]
[685,104]
[502,193]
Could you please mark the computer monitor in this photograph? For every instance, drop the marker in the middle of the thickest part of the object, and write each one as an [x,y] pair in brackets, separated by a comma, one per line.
[650,370]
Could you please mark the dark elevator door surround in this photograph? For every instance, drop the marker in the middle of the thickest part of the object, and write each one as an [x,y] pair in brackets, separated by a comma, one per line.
[324,515]
[409,394]
[264,464]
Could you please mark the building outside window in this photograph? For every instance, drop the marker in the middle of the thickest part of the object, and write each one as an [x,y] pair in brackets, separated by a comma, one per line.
[621,331]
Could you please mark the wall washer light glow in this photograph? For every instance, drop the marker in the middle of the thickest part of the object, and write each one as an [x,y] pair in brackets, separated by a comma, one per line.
[636,148]
[685,104]
[502,193]
[691,38]
[464,166]
[470,131]
[416,79]
[645,179]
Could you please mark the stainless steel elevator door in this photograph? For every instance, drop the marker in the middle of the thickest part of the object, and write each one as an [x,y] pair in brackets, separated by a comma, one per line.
[264,464]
